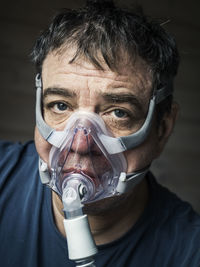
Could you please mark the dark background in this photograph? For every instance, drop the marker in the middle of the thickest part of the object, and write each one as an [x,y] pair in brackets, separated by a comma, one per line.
[20,23]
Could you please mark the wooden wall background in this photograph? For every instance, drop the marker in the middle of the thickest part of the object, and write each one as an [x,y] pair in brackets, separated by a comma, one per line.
[20,23]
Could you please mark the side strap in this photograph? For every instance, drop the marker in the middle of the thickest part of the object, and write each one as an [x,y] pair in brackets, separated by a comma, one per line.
[129,181]
[44,172]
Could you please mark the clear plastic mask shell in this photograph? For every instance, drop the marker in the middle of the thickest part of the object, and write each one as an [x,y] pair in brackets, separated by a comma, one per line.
[82,162]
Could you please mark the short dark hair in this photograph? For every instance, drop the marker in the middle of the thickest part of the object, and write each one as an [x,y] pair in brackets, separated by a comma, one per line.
[102,27]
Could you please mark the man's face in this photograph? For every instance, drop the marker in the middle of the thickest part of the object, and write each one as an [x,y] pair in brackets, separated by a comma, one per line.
[120,98]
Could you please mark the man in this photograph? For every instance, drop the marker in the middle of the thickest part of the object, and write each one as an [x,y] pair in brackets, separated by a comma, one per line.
[115,70]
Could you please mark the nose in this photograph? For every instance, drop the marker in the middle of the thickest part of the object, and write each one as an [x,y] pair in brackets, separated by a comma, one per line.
[83,142]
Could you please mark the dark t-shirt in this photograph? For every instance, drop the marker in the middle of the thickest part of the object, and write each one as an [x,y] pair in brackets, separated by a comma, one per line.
[167,234]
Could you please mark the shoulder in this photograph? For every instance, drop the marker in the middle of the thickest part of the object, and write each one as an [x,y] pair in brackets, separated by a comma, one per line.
[7,148]
[178,224]
[171,209]
[14,154]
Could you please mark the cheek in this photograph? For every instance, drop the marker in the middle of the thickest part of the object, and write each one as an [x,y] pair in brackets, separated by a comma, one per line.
[142,156]
[56,123]
[42,146]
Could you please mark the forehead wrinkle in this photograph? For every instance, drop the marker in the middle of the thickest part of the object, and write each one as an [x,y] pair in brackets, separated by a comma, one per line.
[84,68]
[61,66]
[136,78]
[98,74]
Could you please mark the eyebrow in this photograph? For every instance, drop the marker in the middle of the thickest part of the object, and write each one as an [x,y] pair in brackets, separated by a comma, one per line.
[58,91]
[123,98]
[108,97]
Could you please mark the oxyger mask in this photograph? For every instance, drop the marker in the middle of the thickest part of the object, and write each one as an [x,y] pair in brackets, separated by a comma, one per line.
[83,162]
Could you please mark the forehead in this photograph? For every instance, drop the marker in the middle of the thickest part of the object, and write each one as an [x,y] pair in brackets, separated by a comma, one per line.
[57,66]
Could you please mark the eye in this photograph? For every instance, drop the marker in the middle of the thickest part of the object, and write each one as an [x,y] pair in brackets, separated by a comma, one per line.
[119,113]
[58,107]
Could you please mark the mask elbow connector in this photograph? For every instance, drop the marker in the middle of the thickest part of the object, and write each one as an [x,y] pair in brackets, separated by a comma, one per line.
[72,206]
[81,245]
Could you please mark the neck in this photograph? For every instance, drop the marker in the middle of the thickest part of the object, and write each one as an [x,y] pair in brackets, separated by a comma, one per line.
[111,224]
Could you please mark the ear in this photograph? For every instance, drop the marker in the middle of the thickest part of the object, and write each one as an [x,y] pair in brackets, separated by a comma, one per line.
[166,127]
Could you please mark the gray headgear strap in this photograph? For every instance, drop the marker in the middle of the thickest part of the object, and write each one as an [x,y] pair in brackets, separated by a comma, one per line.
[44,129]
[121,143]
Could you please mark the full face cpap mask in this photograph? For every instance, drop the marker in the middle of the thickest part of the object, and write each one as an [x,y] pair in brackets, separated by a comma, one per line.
[86,164]
[101,172]
[82,161]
